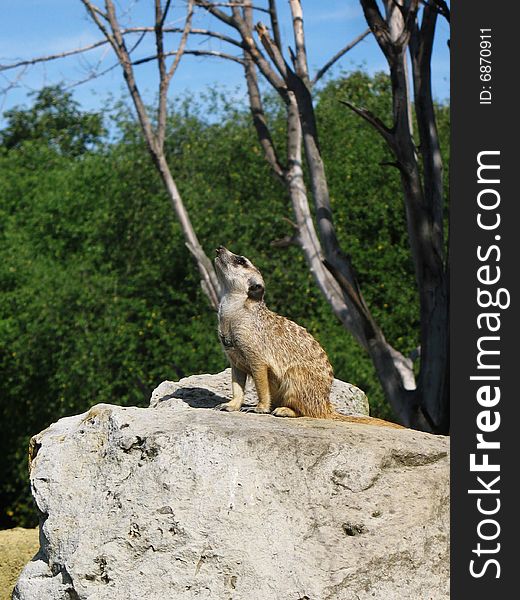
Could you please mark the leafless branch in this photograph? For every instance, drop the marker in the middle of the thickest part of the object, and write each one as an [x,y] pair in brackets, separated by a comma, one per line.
[373,120]
[238,5]
[93,75]
[124,32]
[50,57]
[11,84]
[216,12]
[95,13]
[272,49]
[440,6]
[97,10]
[257,108]
[274,23]
[193,31]
[214,53]
[339,55]
[285,242]
[165,13]
[389,163]
[217,35]
[182,43]
[238,23]
[299,40]
[164,75]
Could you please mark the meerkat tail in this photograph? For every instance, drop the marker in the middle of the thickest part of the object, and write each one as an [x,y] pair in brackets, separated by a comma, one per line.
[364,420]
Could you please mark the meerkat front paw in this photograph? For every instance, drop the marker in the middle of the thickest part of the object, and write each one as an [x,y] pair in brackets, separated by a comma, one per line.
[228,406]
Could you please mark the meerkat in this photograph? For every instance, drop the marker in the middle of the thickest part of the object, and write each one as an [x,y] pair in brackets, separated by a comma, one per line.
[290,370]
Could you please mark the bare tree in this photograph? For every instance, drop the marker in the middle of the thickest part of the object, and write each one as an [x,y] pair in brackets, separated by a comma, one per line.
[154,133]
[422,404]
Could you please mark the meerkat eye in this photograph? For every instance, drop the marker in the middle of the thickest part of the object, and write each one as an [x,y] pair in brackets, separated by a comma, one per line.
[240,260]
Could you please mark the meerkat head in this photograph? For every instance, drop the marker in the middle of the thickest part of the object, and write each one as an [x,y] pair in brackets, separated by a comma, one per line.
[238,274]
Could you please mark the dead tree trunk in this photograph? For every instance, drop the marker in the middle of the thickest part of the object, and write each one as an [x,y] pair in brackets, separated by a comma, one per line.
[329,265]
[423,193]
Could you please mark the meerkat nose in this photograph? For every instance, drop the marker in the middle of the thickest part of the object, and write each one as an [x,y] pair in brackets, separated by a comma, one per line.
[219,249]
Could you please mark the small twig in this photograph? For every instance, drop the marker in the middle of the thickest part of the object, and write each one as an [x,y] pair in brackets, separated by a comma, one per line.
[164,15]
[394,164]
[239,5]
[182,44]
[93,75]
[291,223]
[33,61]
[373,120]
[237,59]
[285,242]
[274,23]
[339,54]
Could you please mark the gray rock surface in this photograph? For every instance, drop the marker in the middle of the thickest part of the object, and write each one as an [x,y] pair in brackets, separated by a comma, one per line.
[347,398]
[175,502]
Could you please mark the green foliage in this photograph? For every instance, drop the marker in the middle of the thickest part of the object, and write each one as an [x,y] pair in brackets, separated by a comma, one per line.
[99,298]
[55,119]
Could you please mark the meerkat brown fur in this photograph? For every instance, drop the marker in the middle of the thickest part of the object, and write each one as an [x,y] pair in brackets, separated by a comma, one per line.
[291,372]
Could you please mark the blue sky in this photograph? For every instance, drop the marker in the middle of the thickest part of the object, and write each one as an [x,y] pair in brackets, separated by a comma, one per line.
[30,28]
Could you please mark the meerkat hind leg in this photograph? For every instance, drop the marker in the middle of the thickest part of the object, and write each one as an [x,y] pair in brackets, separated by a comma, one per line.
[284,411]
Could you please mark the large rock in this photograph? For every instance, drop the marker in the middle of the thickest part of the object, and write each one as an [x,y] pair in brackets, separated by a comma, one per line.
[175,502]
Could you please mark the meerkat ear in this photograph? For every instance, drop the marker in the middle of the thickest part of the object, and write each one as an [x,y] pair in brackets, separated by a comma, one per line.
[255,291]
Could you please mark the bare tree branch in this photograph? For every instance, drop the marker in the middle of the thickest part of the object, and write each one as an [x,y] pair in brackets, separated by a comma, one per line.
[272,49]
[257,109]
[129,31]
[299,39]
[184,39]
[373,120]
[220,14]
[93,75]
[440,6]
[10,85]
[274,23]
[95,12]
[165,13]
[161,64]
[238,23]
[239,5]
[214,53]
[50,57]
[215,34]
[339,55]
[164,75]
[377,23]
